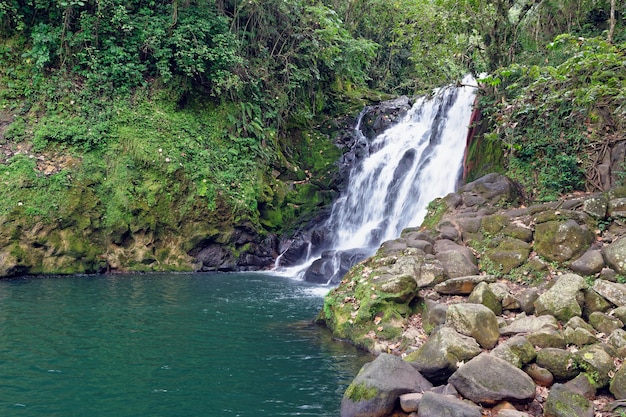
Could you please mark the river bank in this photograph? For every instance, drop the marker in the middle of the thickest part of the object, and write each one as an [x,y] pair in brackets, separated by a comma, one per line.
[508,306]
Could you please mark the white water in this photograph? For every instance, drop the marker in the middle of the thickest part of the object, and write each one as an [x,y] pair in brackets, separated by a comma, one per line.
[410,164]
[430,144]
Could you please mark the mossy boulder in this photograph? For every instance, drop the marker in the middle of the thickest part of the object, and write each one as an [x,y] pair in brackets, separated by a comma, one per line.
[508,253]
[562,240]
[564,299]
[377,387]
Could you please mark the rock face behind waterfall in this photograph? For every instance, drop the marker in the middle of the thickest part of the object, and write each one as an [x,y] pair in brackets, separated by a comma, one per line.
[538,330]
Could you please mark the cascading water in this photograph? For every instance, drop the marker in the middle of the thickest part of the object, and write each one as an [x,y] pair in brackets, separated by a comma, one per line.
[409,164]
[413,162]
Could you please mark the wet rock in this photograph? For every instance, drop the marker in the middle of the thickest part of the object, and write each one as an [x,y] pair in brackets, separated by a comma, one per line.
[564,299]
[561,240]
[476,321]
[612,291]
[376,389]
[462,285]
[488,380]
[563,402]
[442,353]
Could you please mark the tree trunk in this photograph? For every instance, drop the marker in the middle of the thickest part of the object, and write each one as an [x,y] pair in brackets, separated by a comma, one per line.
[611,22]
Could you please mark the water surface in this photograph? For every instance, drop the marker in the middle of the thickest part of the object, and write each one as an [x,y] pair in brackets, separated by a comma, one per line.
[168,345]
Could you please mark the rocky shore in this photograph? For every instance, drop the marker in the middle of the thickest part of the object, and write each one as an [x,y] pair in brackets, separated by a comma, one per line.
[492,308]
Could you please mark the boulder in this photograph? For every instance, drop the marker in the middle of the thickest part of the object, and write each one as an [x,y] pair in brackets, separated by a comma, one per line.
[596,363]
[560,362]
[540,375]
[376,389]
[442,354]
[474,320]
[489,189]
[482,294]
[517,351]
[547,339]
[563,402]
[456,264]
[612,291]
[411,401]
[618,384]
[604,323]
[434,405]
[589,263]
[508,254]
[529,324]
[462,285]
[561,240]
[596,206]
[617,339]
[564,299]
[615,255]
[489,380]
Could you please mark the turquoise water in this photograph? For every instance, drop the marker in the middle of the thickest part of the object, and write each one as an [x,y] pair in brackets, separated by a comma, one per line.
[168,345]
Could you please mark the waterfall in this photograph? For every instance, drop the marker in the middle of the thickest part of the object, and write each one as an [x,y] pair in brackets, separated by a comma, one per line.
[410,164]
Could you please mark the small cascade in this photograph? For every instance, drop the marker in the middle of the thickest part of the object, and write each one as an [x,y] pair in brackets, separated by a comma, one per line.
[410,164]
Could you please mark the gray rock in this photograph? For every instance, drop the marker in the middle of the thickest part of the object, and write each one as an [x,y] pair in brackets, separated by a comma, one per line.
[462,285]
[530,324]
[474,320]
[438,405]
[429,273]
[564,299]
[620,313]
[615,255]
[442,353]
[482,294]
[512,413]
[410,402]
[590,263]
[488,380]
[517,351]
[447,245]
[547,339]
[527,300]
[617,339]
[576,322]
[596,206]
[456,264]
[378,385]
[596,363]
[618,384]
[612,291]
[540,375]
[561,240]
[434,315]
[583,386]
[604,323]
[617,207]
[489,189]
[579,336]
[508,254]
[560,362]
[594,302]
[562,402]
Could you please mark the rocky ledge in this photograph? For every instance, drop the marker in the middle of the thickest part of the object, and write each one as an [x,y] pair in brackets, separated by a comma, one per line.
[492,308]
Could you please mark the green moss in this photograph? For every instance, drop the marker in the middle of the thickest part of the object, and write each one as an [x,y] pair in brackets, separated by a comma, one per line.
[360,392]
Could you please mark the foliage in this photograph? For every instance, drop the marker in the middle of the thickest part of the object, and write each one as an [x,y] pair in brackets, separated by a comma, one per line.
[550,118]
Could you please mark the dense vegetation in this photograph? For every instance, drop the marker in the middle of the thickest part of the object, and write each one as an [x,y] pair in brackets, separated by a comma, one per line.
[192,117]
